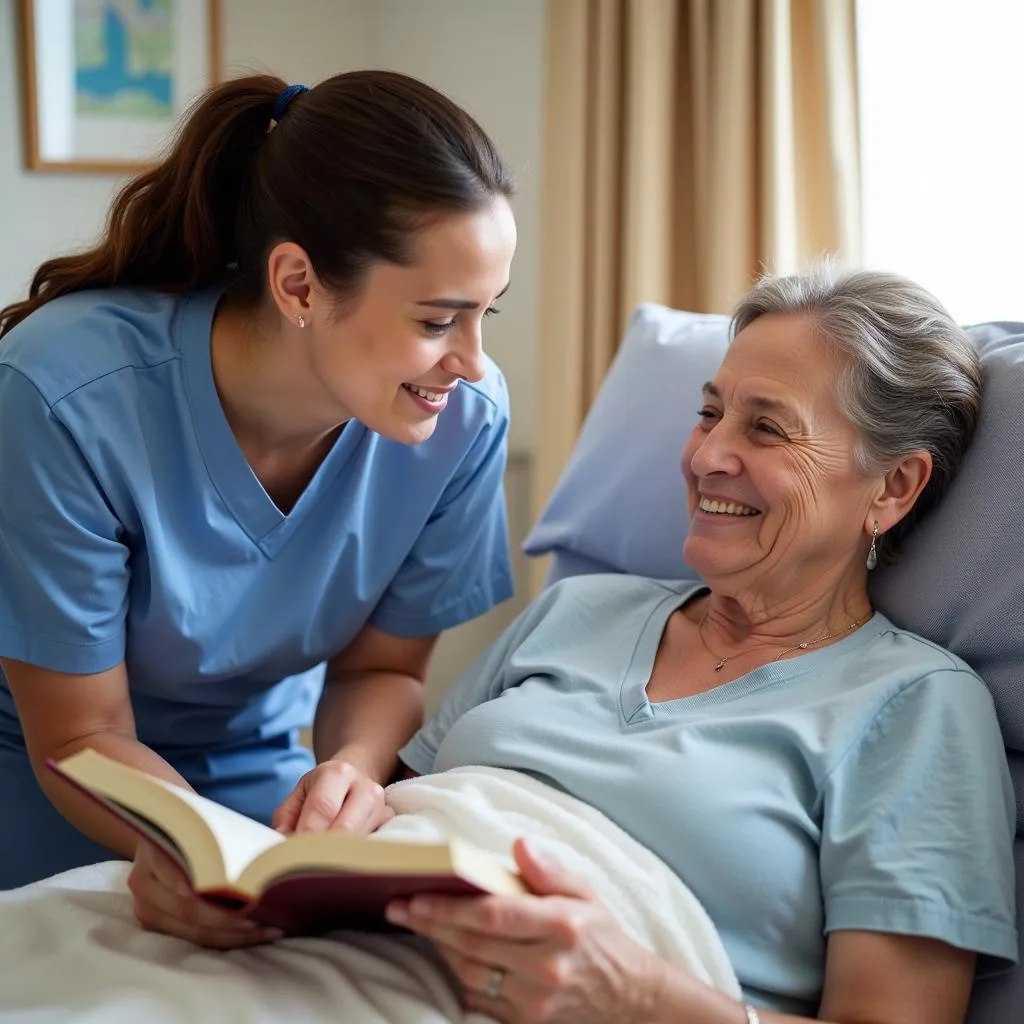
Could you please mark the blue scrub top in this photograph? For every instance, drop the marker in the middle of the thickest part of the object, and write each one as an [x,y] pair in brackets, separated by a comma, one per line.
[132,527]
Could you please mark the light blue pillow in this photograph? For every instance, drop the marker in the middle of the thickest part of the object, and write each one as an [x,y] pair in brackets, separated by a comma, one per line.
[621,502]
[620,506]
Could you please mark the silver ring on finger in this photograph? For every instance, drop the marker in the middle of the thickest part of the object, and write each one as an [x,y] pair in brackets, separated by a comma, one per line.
[493,990]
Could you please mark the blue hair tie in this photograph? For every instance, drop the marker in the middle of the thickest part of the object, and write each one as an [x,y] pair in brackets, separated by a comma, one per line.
[285,98]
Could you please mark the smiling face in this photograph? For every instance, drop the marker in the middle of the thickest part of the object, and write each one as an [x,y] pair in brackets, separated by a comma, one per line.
[393,358]
[775,497]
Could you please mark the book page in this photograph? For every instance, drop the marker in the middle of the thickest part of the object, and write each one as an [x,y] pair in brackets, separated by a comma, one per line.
[217,842]
[377,856]
[240,838]
[152,831]
[344,852]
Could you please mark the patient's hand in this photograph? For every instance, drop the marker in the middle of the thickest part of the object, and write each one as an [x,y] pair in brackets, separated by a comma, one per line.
[555,955]
[165,902]
[334,795]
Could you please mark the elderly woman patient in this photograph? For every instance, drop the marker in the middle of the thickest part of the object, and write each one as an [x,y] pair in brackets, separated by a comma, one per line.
[831,787]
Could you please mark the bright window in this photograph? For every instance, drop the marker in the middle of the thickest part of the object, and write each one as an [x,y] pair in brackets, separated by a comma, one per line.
[942,149]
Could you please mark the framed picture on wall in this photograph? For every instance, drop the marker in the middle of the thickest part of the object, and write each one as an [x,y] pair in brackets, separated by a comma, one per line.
[105,81]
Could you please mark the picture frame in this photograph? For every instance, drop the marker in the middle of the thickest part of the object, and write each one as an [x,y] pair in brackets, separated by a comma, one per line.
[104,82]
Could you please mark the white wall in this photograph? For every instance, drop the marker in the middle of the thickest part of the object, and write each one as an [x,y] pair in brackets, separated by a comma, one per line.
[300,40]
[40,215]
[488,55]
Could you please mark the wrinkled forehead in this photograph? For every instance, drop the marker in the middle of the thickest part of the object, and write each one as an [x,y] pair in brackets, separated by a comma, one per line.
[782,359]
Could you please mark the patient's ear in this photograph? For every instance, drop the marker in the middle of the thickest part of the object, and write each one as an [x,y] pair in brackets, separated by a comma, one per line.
[899,489]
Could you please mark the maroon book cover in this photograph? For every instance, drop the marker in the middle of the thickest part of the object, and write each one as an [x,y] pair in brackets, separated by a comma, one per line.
[305,903]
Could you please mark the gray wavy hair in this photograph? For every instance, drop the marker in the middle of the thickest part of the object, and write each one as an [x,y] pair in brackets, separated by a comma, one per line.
[911,378]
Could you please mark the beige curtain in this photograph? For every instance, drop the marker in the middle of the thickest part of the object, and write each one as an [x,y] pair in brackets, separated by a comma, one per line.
[689,144]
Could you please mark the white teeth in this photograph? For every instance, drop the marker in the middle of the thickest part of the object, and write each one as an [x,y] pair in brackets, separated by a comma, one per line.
[430,396]
[726,508]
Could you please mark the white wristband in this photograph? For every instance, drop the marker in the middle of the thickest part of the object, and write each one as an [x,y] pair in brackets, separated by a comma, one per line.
[753,1017]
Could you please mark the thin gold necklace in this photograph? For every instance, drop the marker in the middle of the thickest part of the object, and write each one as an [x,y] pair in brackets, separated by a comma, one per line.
[720,664]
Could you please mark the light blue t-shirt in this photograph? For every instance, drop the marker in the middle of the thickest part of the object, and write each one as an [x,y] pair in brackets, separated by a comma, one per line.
[132,526]
[860,786]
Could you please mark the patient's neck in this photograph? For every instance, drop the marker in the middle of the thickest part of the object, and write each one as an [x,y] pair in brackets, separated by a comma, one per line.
[736,617]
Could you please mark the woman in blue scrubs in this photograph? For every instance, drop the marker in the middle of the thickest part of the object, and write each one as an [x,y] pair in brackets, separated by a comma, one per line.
[252,461]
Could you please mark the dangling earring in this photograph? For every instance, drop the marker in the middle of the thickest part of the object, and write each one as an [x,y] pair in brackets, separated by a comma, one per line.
[300,320]
[873,550]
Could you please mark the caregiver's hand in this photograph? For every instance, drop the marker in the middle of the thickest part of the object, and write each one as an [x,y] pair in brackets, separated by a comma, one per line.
[334,795]
[556,955]
[164,902]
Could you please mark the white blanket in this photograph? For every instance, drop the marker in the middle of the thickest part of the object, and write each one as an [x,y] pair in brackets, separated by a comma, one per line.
[70,949]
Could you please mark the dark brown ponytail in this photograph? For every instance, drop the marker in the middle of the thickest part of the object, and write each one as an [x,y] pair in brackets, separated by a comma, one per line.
[355,165]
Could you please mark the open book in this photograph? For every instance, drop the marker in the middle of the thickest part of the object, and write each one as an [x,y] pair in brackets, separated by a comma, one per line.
[301,883]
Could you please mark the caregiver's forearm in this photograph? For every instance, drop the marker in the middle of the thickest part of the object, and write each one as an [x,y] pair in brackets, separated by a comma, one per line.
[90,818]
[365,718]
